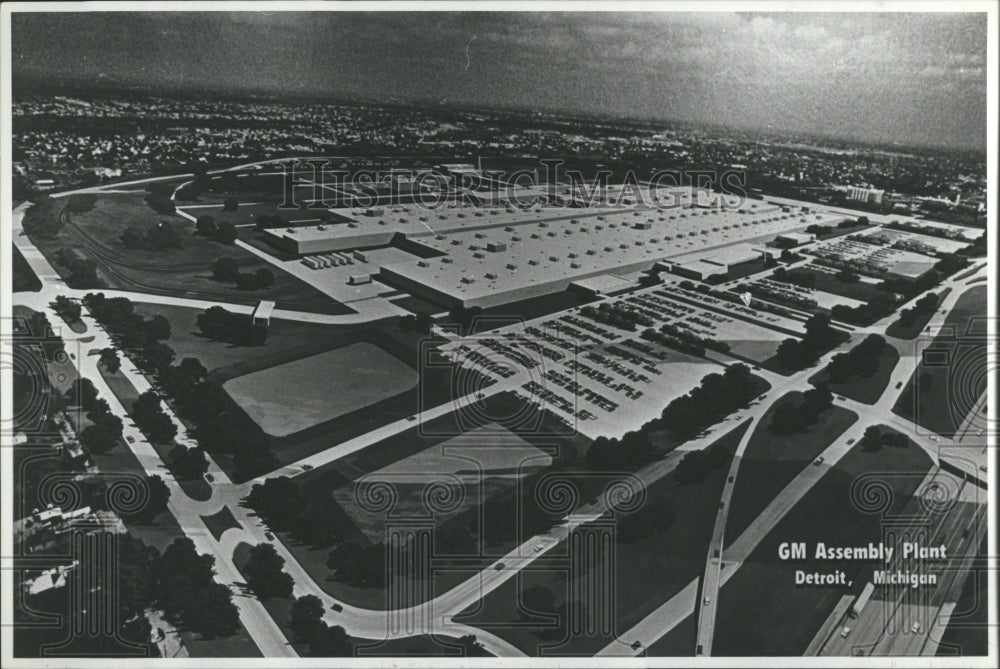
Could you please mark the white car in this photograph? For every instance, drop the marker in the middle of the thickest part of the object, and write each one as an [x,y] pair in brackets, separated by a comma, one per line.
[844,632]
[916,628]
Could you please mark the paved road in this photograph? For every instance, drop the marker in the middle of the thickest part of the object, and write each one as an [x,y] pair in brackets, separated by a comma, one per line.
[719,571]
[437,614]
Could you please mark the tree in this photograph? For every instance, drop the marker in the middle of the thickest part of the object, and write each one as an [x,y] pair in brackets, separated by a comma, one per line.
[67,308]
[226,233]
[189,463]
[193,369]
[278,501]
[82,392]
[151,419]
[158,494]
[211,611]
[158,355]
[132,237]
[872,441]
[205,226]
[178,572]
[162,236]
[109,358]
[264,574]
[97,439]
[306,619]
[158,328]
[225,269]
[331,642]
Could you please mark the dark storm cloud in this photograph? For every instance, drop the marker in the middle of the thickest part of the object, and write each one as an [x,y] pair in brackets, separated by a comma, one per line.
[889,77]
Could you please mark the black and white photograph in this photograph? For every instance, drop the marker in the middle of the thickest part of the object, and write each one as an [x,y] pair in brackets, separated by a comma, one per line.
[498,334]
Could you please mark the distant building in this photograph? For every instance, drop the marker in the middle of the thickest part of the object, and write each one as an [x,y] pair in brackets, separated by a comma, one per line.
[869,195]
[44,527]
[36,583]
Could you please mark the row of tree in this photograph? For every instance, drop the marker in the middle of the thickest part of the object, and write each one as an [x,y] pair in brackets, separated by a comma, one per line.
[862,360]
[715,397]
[105,429]
[795,354]
[147,411]
[224,232]
[221,325]
[792,417]
[228,270]
[874,439]
[921,310]
[306,623]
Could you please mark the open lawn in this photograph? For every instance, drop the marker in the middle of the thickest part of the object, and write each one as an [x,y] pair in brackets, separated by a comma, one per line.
[864,389]
[187,340]
[952,373]
[297,395]
[761,610]
[466,539]
[771,460]
[646,570]
[479,464]
[829,283]
[184,271]
[678,642]
[23,279]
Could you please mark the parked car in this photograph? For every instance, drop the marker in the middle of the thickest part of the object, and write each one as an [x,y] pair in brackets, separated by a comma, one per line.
[338,608]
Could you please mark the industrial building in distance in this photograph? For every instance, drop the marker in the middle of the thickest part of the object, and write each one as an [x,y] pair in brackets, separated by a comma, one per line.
[483,257]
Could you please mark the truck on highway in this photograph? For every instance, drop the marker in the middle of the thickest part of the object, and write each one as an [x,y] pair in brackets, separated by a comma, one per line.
[862,600]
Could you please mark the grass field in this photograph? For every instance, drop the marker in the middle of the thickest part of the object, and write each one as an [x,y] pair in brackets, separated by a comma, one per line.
[473,523]
[761,610]
[678,642]
[828,283]
[297,395]
[771,460]
[953,370]
[23,279]
[647,572]
[482,462]
[184,271]
[864,389]
[186,339]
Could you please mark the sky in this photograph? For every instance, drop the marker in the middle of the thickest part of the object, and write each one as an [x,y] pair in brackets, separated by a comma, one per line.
[915,78]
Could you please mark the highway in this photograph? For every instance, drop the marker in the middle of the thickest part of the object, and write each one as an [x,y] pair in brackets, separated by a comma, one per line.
[437,615]
[719,570]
